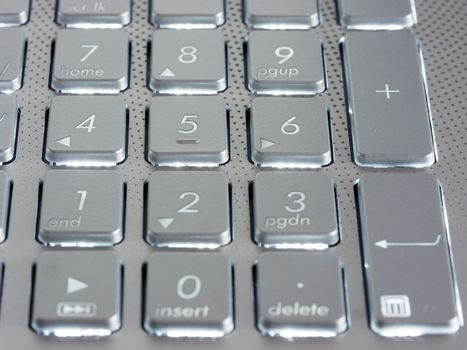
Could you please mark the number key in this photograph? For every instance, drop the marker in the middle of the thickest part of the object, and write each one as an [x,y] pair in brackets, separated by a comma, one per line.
[91,61]
[295,210]
[188,209]
[86,130]
[292,132]
[188,62]
[187,131]
[81,208]
[285,63]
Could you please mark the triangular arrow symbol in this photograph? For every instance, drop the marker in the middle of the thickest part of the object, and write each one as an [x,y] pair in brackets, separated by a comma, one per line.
[382,244]
[66,141]
[74,285]
[266,143]
[165,222]
[167,73]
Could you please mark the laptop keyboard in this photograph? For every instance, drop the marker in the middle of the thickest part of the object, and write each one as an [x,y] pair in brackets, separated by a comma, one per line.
[260,173]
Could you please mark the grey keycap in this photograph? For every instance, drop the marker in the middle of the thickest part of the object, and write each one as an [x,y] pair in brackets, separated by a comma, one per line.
[188,62]
[5,191]
[77,294]
[8,127]
[14,13]
[188,209]
[410,281]
[81,208]
[290,132]
[187,131]
[189,295]
[376,14]
[387,100]
[183,14]
[94,13]
[300,295]
[285,63]
[91,61]
[295,210]
[279,14]
[13,43]
[86,131]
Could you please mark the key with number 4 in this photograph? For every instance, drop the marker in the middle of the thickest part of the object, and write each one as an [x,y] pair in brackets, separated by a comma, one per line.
[86,130]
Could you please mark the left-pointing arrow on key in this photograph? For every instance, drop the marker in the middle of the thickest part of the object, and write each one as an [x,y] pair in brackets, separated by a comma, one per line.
[385,244]
[66,141]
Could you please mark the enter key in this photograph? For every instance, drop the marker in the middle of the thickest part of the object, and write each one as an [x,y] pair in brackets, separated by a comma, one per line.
[410,281]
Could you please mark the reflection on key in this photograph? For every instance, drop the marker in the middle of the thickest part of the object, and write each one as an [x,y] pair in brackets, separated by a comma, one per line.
[279,14]
[377,14]
[300,295]
[189,295]
[14,12]
[13,43]
[8,127]
[187,14]
[411,288]
[388,108]
[5,191]
[94,13]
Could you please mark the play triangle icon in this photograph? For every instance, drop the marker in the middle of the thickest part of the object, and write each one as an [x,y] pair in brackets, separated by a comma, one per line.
[74,285]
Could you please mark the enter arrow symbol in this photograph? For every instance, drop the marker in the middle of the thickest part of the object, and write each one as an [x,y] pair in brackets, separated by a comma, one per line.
[66,141]
[385,244]
[266,143]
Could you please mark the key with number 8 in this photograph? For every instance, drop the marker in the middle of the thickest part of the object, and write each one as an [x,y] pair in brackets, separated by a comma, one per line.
[188,62]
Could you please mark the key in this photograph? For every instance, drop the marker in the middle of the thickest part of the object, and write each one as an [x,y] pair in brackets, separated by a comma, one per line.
[278,14]
[77,294]
[91,61]
[188,15]
[290,132]
[86,131]
[8,127]
[189,295]
[81,208]
[295,210]
[188,62]
[387,100]
[14,13]
[300,295]
[13,42]
[94,13]
[285,63]
[410,282]
[188,209]
[376,14]
[188,131]
[5,192]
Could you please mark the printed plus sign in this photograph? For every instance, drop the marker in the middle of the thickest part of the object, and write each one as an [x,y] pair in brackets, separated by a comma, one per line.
[387,91]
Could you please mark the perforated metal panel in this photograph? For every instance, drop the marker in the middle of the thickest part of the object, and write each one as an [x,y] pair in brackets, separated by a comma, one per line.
[443,33]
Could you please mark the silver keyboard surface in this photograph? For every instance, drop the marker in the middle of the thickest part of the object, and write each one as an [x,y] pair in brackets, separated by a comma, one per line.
[310,192]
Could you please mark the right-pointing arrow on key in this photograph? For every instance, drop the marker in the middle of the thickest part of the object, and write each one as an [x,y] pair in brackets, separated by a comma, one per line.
[266,143]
